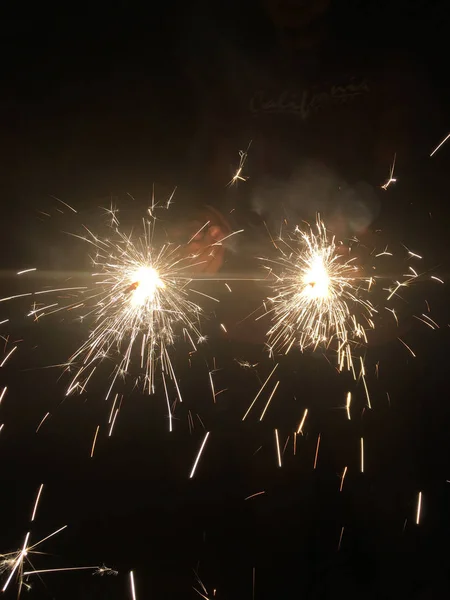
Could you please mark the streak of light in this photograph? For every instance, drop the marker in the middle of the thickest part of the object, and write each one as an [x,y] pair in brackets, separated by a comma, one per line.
[8,356]
[439,145]
[340,538]
[254,495]
[344,473]
[317,451]
[3,393]
[65,203]
[391,178]
[269,400]
[277,442]
[42,421]
[302,422]
[406,346]
[419,508]
[347,406]
[199,455]
[437,279]
[26,271]
[37,502]
[362,455]
[259,393]
[132,587]
[94,441]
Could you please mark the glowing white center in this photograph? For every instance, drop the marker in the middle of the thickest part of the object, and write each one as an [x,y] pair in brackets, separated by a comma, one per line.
[316,280]
[147,282]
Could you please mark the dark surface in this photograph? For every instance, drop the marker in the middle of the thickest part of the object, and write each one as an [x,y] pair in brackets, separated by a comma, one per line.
[93,108]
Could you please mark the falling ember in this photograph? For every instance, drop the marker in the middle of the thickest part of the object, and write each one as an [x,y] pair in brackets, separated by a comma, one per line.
[277,442]
[342,478]
[362,455]
[199,455]
[254,495]
[302,422]
[94,441]
[37,502]
[347,406]
[132,587]
[340,538]
[439,145]
[2,393]
[42,421]
[259,393]
[269,400]
[317,451]
[419,508]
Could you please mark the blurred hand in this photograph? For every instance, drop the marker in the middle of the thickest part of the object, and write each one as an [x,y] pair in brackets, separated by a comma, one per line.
[204,234]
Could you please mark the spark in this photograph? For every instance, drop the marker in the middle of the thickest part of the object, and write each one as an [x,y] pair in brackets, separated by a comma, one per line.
[439,145]
[406,346]
[302,422]
[259,393]
[65,204]
[317,451]
[4,361]
[269,400]
[362,455]
[340,538]
[137,306]
[37,502]
[391,179]
[26,271]
[437,279]
[277,442]
[2,394]
[318,297]
[4,321]
[238,174]
[132,587]
[199,455]
[94,440]
[347,406]
[42,421]
[419,508]
[103,570]
[254,495]
[344,473]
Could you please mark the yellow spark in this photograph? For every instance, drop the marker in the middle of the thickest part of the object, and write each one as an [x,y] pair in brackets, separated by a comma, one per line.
[2,394]
[254,495]
[199,455]
[269,400]
[439,145]
[133,590]
[437,279]
[391,178]
[302,422]
[406,346]
[259,393]
[7,357]
[94,440]
[37,502]
[347,406]
[362,455]
[42,421]
[238,174]
[342,478]
[26,271]
[277,442]
[317,451]
[419,508]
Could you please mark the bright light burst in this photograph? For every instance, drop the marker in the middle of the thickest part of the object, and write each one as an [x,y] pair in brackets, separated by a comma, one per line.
[139,306]
[320,298]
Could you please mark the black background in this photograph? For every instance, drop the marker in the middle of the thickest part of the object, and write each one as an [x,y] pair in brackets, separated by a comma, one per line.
[98,103]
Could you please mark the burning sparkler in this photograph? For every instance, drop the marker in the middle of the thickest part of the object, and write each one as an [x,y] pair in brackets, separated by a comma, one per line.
[319,296]
[14,562]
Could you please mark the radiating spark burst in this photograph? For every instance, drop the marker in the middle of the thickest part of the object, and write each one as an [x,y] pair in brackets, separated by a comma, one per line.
[138,305]
[13,562]
[320,298]
[238,176]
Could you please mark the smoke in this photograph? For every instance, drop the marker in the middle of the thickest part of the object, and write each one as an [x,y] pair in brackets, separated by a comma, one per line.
[314,188]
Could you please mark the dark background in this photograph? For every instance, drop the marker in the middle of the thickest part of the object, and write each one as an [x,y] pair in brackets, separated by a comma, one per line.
[97,105]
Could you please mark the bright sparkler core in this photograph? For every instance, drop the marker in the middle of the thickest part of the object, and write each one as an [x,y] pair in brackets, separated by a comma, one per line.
[145,285]
[319,296]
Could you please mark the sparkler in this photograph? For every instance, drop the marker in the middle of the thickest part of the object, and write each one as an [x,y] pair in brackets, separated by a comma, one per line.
[138,305]
[13,562]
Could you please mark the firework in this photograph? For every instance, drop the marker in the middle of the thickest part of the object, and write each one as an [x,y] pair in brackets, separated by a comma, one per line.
[138,306]
[320,296]
[13,563]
